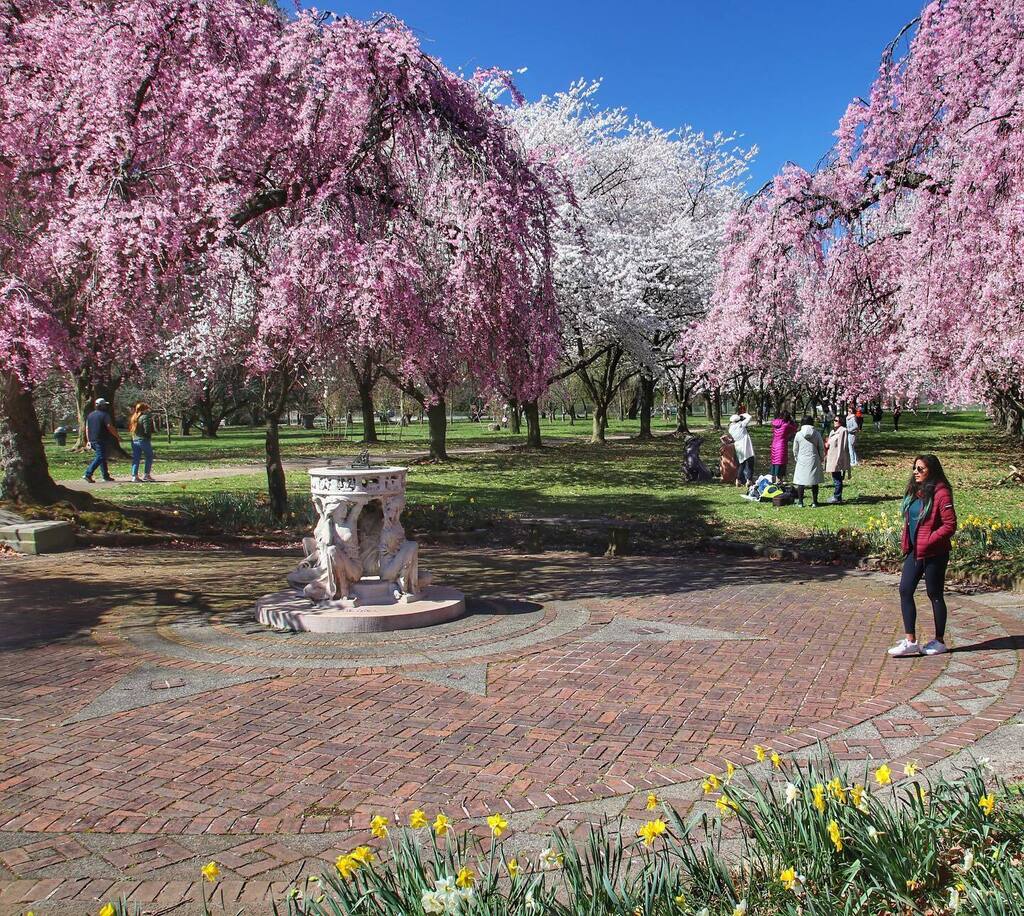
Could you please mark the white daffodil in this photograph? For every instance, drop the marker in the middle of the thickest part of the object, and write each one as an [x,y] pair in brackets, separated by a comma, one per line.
[792,793]
[550,859]
[968,860]
[432,902]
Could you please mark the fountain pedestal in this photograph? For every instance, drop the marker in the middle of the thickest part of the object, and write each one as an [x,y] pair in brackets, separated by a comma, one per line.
[360,573]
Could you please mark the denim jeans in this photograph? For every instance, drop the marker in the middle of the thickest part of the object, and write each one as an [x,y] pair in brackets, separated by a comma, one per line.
[746,472]
[837,485]
[141,447]
[99,461]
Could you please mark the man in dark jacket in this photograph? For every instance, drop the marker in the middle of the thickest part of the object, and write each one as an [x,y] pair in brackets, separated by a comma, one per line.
[100,434]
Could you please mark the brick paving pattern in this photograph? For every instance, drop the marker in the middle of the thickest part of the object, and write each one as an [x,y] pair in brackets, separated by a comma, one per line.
[150,725]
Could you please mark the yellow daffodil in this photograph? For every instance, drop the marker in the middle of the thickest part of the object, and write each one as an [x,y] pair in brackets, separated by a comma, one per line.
[362,854]
[513,868]
[441,824]
[730,771]
[210,871]
[465,878]
[857,794]
[818,794]
[107,910]
[883,775]
[760,753]
[379,826]
[652,801]
[418,819]
[680,899]
[787,877]
[987,803]
[835,836]
[911,769]
[347,866]
[498,824]
[776,760]
[726,805]
[913,884]
[652,829]
[837,790]
[740,909]
[710,784]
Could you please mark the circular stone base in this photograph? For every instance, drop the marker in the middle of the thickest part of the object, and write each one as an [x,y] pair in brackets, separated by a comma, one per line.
[290,610]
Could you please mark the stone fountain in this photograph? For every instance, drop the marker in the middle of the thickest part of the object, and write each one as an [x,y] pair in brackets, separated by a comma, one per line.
[360,573]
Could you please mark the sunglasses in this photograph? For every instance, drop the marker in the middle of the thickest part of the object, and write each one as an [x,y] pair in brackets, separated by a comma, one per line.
[919,469]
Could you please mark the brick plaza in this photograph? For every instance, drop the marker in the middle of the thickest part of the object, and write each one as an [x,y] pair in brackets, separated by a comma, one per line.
[149,725]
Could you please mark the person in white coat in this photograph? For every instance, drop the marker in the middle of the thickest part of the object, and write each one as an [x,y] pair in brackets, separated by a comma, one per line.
[851,438]
[744,445]
[838,460]
[808,455]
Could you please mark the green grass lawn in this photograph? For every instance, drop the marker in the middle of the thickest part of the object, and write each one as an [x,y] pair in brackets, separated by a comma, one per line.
[622,479]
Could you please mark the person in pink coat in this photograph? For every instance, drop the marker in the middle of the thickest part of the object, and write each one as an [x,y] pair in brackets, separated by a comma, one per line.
[783,431]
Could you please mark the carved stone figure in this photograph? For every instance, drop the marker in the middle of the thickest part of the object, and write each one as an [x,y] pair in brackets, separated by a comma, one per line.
[337,551]
[399,557]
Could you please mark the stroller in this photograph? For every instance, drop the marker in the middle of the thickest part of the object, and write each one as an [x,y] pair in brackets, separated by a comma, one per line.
[695,470]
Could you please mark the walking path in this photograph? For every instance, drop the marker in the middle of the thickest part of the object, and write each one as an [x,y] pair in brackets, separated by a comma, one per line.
[302,464]
[149,725]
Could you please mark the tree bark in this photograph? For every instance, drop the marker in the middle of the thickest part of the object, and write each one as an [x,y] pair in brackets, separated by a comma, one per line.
[532,414]
[276,486]
[437,421]
[515,414]
[717,407]
[366,375]
[600,423]
[24,472]
[366,409]
[185,424]
[645,391]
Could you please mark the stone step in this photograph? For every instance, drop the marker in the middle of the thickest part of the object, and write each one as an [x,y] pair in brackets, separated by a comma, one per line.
[39,537]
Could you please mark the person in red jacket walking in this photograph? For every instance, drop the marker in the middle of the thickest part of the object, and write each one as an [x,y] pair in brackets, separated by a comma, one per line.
[929,522]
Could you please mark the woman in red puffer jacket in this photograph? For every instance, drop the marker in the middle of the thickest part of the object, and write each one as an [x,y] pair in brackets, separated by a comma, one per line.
[929,522]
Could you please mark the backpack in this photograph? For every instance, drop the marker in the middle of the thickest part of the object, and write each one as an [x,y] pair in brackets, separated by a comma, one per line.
[771,491]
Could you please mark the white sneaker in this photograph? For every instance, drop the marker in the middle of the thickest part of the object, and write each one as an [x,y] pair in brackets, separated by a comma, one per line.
[135,478]
[905,648]
[935,647]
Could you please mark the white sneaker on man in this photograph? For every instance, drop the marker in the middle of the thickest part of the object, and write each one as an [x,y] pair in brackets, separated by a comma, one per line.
[135,478]
[935,647]
[905,648]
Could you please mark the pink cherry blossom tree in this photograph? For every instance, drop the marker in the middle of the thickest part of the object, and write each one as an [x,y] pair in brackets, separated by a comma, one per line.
[895,268]
[158,154]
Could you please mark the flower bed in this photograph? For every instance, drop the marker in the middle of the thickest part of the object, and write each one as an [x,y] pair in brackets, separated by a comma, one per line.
[806,839]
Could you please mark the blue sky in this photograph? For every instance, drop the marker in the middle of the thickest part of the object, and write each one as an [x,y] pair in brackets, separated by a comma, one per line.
[781,73]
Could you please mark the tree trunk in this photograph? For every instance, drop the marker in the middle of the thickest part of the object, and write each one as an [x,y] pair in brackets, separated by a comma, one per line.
[211,423]
[515,416]
[24,472]
[366,407]
[600,423]
[532,424]
[276,484]
[185,424]
[437,420]
[636,405]
[716,402]
[83,401]
[645,390]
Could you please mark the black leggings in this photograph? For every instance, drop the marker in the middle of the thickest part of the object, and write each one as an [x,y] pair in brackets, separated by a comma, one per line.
[933,569]
[800,493]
